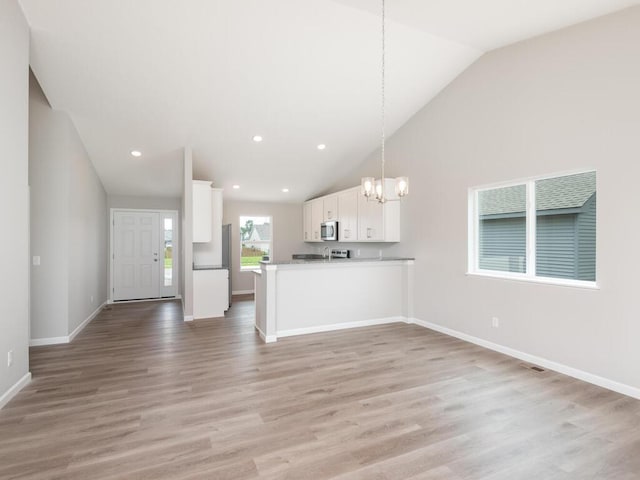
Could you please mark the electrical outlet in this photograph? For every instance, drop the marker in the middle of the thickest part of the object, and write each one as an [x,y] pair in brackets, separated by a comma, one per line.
[36,260]
[9,358]
[380,253]
[357,252]
[495,322]
[91,298]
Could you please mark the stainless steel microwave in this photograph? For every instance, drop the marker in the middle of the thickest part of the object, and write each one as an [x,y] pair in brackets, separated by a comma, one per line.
[329,231]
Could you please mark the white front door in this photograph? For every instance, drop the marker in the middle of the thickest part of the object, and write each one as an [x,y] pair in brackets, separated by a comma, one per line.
[136,255]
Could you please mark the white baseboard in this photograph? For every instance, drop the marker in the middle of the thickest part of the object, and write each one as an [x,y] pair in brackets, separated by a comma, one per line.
[38,342]
[188,318]
[142,300]
[215,316]
[242,292]
[266,338]
[543,362]
[79,328]
[339,326]
[13,391]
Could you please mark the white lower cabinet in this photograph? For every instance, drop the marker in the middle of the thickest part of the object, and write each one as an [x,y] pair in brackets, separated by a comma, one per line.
[210,293]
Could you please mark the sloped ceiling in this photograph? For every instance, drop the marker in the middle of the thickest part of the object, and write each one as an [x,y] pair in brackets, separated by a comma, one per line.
[158,75]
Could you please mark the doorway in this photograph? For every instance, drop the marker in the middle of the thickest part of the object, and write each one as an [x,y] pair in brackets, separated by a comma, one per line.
[144,254]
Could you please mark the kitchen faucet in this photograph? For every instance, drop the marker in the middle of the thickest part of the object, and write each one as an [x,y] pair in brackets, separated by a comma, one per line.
[326,252]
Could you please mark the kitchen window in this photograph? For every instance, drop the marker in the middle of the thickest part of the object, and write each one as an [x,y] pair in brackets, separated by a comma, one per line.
[256,235]
[541,229]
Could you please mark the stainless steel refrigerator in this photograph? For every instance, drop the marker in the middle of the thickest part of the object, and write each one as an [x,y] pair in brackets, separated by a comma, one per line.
[226,253]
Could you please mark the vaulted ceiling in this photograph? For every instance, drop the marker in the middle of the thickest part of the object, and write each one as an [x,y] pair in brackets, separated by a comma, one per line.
[159,75]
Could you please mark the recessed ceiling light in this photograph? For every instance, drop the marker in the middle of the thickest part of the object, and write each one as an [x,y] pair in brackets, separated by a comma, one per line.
[257,138]
[136,153]
[285,190]
[236,187]
[322,146]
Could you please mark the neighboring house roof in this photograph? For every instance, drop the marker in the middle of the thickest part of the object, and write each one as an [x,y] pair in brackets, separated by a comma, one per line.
[261,232]
[557,193]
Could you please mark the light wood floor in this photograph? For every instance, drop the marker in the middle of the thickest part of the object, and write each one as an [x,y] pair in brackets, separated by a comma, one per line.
[139,394]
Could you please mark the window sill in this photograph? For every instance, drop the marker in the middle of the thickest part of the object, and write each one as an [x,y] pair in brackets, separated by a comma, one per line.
[540,280]
[250,269]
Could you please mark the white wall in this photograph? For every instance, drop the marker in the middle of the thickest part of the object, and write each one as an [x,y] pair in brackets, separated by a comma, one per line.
[287,234]
[14,196]
[143,203]
[49,185]
[562,101]
[88,235]
[69,228]
[187,234]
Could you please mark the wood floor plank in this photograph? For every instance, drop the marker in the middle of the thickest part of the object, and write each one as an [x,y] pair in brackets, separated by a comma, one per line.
[140,394]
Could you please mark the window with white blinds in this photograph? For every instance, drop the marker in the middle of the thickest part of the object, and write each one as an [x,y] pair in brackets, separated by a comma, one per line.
[541,229]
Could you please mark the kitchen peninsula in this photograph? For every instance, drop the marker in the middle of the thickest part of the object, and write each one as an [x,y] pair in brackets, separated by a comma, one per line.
[308,296]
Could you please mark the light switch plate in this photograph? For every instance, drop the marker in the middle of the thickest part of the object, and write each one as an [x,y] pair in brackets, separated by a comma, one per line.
[36,260]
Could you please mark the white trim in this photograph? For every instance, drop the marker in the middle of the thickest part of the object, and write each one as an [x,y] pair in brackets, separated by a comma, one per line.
[270,242]
[532,178]
[531,220]
[248,268]
[215,316]
[39,342]
[142,300]
[176,247]
[242,292]
[79,328]
[530,274]
[188,318]
[15,389]
[339,326]
[563,282]
[266,338]
[543,362]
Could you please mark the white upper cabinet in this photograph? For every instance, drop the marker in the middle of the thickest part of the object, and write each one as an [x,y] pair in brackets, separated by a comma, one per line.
[330,208]
[371,220]
[312,217]
[379,222]
[202,211]
[348,215]
[307,233]
[317,216]
[359,219]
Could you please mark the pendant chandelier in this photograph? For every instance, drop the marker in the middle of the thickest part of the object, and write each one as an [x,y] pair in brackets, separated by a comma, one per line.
[370,186]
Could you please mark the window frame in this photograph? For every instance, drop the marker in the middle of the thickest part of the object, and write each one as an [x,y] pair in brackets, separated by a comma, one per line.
[250,268]
[473,234]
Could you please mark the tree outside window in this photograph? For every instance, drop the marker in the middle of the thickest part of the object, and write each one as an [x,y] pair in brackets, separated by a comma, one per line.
[255,241]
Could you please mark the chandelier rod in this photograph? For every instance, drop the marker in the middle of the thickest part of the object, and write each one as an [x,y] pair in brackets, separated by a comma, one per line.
[383,103]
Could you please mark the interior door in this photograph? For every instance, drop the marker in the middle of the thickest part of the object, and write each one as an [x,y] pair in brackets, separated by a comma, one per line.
[136,256]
